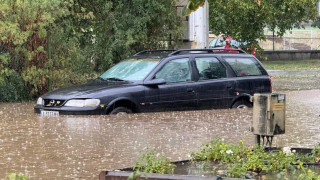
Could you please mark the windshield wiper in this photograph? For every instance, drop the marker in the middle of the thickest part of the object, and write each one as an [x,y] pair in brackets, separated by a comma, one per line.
[100,78]
[110,79]
[114,79]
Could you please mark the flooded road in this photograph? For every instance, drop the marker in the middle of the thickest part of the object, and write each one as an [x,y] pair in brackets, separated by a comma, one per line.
[67,147]
[79,147]
[295,80]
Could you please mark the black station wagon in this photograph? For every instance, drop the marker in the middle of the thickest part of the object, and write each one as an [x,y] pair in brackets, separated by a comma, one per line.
[162,80]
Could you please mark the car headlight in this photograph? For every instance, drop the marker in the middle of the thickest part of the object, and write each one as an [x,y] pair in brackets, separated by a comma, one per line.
[83,103]
[40,101]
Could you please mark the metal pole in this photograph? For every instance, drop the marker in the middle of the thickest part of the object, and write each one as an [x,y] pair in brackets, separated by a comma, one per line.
[311,39]
[49,58]
[258,138]
[273,39]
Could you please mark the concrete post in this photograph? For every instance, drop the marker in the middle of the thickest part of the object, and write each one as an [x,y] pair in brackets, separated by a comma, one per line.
[199,27]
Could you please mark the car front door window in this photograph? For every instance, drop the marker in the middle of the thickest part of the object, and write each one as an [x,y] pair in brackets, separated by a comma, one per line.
[174,71]
[177,93]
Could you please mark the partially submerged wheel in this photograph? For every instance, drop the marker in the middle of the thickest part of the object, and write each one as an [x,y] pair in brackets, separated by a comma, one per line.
[121,110]
[242,104]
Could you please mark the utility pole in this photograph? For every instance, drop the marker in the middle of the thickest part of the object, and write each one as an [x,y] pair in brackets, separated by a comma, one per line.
[199,27]
[49,58]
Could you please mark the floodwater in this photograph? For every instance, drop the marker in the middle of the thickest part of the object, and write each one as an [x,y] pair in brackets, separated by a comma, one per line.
[79,147]
[67,147]
[295,80]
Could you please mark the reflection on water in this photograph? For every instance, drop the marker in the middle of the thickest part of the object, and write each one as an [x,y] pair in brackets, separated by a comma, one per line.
[67,147]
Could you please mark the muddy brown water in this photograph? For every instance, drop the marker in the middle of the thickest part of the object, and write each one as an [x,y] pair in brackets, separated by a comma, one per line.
[295,80]
[79,147]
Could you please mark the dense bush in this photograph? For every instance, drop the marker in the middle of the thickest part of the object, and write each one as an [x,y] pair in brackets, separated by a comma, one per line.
[55,43]
[12,89]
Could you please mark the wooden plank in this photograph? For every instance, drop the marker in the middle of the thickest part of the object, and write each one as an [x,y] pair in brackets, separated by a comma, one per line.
[123,175]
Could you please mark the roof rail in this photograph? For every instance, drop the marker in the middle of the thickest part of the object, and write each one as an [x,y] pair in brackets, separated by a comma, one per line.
[214,50]
[153,51]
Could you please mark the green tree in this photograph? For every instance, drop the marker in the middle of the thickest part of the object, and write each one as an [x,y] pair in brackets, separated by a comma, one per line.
[240,19]
[246,19]
[23,39]
[122,27]
[283,15]
[70,41]
[192,6]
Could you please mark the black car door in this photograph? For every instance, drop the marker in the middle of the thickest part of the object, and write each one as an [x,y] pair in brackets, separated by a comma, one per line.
[178,91]
[214,88]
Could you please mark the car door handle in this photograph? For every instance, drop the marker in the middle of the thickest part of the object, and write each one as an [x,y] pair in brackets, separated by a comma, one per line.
[190,90]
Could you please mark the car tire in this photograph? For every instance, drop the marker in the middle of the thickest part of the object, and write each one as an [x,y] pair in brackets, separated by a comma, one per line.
[241,104]
[121,110]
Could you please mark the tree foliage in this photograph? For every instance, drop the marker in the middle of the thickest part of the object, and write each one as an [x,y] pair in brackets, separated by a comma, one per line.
[246,19]
[192,6]
[123,27]
[70,41]
[283,15]
[23,39]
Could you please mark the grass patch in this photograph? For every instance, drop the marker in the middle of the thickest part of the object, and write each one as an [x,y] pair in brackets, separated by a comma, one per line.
[292,65]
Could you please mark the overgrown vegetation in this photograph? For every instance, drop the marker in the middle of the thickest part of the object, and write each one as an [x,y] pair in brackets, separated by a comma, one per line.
[151,162]
[48,44]
[16,176]
[241,161]
[237,161]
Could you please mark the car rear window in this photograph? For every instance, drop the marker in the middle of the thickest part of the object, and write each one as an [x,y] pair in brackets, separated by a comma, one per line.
[244,66]
[176,70]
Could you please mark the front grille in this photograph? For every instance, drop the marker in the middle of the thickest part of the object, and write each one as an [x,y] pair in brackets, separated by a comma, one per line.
[53,102]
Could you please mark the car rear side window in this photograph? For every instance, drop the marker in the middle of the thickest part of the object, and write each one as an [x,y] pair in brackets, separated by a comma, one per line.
[244,66]
[210,68]
[177,70]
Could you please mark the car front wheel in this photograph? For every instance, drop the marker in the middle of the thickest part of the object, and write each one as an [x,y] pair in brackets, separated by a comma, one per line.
[121,110]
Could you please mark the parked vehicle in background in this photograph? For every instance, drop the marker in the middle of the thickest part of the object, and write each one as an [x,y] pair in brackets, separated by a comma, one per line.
[165,80]
[227,43]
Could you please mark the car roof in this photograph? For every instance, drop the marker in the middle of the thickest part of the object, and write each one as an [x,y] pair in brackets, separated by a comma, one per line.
[157,54]
[160,54]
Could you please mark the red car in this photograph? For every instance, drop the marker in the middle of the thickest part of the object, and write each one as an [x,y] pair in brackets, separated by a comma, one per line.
[227,43]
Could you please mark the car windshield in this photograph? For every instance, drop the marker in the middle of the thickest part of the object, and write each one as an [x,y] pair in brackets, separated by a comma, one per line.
[130,70]
[235,43]
[220,42]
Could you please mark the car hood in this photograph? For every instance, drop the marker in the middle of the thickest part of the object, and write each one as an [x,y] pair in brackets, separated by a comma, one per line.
[85,89]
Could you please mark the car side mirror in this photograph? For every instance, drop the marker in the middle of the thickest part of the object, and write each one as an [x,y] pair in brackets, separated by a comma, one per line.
[154,82]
